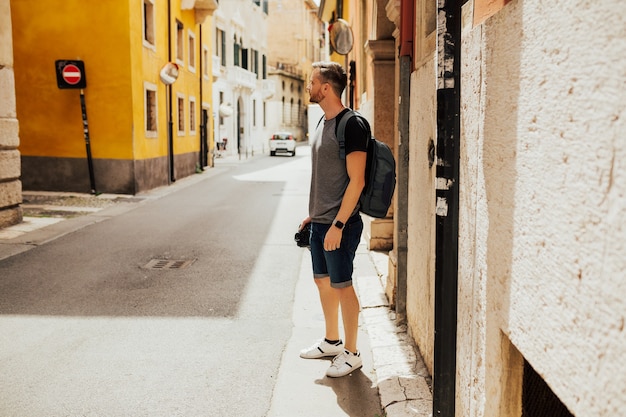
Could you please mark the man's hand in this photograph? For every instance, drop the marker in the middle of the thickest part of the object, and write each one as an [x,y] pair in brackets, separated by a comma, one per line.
[332,240]
[304,223]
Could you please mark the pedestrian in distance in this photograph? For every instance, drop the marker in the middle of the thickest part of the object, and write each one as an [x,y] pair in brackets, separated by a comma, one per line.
[336,225]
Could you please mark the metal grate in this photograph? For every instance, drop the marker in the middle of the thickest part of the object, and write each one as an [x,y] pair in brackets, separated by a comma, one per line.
[169,264]
[538,400]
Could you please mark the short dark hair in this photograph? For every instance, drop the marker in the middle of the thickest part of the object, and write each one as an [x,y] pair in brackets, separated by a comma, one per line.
[334,74]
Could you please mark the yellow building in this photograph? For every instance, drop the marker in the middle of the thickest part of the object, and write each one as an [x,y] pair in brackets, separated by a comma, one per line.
[142,133]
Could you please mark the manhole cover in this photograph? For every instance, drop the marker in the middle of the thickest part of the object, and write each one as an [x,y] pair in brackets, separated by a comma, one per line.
[169,264]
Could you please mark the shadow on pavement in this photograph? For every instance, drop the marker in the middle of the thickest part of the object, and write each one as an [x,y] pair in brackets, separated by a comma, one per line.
[356,394]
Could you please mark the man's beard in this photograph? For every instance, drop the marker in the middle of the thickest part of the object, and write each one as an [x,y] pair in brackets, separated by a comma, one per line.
[315,98]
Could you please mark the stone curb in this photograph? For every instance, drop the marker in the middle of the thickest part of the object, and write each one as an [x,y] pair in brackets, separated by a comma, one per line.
[403,383]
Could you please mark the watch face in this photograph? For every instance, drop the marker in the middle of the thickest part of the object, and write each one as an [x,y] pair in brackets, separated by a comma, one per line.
[338,224]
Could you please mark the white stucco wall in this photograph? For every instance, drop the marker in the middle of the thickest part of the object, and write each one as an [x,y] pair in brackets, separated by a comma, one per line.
[421,216]
[543,206]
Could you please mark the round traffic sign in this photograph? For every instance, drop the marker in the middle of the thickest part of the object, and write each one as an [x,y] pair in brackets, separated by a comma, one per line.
[71,74]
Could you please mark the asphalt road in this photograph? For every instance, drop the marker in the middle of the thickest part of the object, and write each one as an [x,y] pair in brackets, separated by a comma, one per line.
[89,328]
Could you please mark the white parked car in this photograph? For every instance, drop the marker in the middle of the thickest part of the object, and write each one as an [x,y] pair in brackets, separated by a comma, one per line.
[282,142]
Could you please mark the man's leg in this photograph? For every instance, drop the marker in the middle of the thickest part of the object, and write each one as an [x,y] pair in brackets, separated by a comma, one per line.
[330,306]
[350,314]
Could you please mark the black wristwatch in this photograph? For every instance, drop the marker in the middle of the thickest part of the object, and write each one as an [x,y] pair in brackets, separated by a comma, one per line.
[338,224]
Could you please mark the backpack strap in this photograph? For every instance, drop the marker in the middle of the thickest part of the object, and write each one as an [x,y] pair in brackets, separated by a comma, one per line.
[341,132]
[320,121]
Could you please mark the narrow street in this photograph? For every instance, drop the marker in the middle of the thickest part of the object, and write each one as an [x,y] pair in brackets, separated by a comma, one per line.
[180,306]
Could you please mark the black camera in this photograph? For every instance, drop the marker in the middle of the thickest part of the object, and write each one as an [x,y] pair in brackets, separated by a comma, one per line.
[303,236]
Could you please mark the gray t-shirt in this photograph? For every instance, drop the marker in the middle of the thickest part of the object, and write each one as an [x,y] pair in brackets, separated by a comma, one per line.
[329,177]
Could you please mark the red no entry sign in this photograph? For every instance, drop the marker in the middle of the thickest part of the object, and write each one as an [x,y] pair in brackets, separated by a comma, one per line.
[71,74]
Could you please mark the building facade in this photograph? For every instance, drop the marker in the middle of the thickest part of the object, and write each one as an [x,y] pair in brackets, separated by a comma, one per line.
[362,41]
[135,131]
[296,39]
[533,268]
[10,185]
[241,87]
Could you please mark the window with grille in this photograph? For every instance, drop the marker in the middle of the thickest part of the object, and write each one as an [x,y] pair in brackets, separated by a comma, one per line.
[192,50]
[192,115]
[538,400]
[150,109]
[181,115]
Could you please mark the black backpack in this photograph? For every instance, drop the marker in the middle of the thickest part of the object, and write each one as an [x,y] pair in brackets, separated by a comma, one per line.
[380,171]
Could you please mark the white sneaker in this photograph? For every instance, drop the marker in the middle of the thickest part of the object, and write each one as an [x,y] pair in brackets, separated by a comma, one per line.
[322,349]
[344,364]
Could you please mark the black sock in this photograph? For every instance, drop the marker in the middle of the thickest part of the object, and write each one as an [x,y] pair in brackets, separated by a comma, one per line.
[333,342]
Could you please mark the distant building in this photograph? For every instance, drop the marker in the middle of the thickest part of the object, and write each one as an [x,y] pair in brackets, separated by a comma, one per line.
[241,87]
[142,133]
[296,39]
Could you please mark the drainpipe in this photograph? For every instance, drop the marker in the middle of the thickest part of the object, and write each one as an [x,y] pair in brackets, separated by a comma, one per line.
[447,205]
[407,23]
[170,135]
[203,145]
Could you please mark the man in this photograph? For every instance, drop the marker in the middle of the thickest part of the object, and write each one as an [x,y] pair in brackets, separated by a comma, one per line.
[336,224]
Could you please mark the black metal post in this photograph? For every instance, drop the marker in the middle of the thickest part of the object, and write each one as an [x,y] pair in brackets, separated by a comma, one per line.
[447,206]
[168,92]
[202,157]
[170,134]
[83,107]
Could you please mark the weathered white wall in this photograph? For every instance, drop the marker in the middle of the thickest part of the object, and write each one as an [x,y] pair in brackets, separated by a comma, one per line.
[543,207]
[421,217]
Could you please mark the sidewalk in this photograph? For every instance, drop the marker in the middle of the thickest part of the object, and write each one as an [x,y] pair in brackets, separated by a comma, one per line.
[400,375]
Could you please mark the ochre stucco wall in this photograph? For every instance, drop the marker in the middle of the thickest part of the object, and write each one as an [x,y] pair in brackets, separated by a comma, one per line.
[99,35]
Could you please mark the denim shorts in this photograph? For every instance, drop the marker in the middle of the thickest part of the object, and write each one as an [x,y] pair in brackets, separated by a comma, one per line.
[338,264]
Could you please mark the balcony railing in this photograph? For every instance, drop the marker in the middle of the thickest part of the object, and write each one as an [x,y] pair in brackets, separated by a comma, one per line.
[268,88]
[240,77]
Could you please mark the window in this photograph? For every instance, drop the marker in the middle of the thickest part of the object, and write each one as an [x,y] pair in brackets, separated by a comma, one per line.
[221,46]
[221,102]
[192,51]
[179,42]
[244,59]
[236,53]
[148,22]
[254,113]
[282,118]
[192,115]
[150,109]
[255,62]
[205,58]
[181,115]
[264,67]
